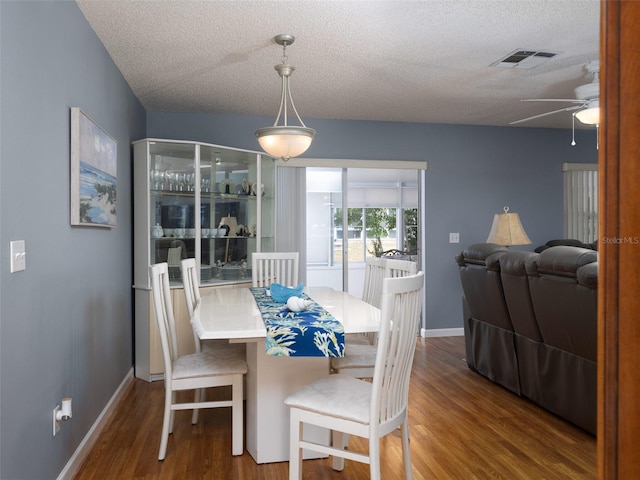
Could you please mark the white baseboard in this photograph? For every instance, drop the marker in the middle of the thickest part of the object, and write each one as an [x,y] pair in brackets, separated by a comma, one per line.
[72,466]
[442,332]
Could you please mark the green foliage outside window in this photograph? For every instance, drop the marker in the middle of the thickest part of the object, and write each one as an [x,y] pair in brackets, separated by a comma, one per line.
[378,221]
[410,243]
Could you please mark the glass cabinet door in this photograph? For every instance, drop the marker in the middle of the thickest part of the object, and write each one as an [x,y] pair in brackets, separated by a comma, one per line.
[232,219]
[172,177]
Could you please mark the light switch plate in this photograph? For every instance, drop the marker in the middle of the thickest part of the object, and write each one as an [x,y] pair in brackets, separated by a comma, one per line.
[18,256]
[56,422]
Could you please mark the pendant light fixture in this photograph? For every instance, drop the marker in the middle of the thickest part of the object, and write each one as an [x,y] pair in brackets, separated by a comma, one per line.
[285,141]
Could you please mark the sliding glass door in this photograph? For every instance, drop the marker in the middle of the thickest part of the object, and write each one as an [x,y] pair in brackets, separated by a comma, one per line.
[324,245]
[353,213]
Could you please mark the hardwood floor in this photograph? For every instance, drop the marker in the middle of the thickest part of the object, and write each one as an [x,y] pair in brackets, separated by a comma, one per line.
[462,427]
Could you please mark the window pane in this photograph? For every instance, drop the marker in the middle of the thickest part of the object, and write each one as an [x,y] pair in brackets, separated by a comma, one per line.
[410,241]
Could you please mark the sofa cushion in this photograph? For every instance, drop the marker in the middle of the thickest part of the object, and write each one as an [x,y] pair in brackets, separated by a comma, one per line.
[561,260]
[486,254]
[570,242]
[588,275]
[515,283]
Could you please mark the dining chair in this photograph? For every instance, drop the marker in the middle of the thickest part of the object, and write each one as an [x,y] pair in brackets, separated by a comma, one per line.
[191,287]
[270,267]
[350,406]
[194,371]
[360,357]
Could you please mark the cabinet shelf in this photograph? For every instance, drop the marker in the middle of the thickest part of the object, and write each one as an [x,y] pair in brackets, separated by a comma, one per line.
[216,195]
[238,237]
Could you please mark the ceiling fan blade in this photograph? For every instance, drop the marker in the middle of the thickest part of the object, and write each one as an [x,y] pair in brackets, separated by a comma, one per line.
[572,100]
[568,109]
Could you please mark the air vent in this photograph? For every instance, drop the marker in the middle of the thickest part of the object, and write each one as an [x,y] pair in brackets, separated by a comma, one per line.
[524,59]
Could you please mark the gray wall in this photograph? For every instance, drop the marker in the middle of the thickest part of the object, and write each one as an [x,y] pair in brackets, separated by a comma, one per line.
[473,173]
[65,322]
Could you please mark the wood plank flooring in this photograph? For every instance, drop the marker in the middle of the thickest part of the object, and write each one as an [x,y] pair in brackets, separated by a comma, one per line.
[463,427]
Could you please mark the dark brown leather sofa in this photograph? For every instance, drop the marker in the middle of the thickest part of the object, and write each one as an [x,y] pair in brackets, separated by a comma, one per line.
[530,324]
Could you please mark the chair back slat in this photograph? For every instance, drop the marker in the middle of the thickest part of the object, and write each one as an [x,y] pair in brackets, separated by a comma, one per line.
[373,274]
[163,309]
[279,267]
[191,287]
[402,299]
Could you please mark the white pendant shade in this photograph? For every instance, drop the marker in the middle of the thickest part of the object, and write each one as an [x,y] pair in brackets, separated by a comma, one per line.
[285,142]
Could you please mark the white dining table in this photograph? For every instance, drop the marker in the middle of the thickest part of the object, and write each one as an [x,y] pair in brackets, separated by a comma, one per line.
[233,314]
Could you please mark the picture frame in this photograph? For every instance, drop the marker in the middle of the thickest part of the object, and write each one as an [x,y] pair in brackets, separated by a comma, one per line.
[94,161]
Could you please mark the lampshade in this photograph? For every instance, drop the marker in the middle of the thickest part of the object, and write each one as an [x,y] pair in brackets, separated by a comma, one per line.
[230,222]
[589,116]
[507,230]
[285,141]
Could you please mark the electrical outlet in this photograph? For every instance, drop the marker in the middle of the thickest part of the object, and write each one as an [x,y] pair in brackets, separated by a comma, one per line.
[454,238]
[56,422]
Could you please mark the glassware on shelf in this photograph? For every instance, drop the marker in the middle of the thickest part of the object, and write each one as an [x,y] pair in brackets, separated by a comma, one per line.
[156,231]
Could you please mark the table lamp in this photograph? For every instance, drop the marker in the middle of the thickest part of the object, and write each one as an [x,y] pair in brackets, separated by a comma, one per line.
[507,230]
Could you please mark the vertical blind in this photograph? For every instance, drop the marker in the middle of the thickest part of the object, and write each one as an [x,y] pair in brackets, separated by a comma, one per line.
[581,201]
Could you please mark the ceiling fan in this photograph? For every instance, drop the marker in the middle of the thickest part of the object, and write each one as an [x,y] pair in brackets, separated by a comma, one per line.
[587,99]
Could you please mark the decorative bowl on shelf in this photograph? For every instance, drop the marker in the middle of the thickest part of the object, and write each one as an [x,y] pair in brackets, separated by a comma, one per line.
[281,293]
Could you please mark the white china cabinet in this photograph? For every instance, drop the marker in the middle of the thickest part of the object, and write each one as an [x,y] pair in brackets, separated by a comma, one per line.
[195,200]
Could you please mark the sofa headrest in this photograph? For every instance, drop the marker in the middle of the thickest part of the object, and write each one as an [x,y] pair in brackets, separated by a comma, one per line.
[561,260]
[514,263]
[479,253]
[588,275]
[571,242]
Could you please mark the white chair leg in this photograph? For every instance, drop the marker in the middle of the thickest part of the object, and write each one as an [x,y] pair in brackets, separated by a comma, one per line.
[295,452]
[166,421]
[374,457]
[173,413]
[406,449]
[338,441]
[237,447]
[198,396]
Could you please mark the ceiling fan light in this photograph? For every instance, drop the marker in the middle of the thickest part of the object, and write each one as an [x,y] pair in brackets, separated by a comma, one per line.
[589,116]
[285,142]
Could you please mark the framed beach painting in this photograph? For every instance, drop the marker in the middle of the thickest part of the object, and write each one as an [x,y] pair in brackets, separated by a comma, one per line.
[94,158]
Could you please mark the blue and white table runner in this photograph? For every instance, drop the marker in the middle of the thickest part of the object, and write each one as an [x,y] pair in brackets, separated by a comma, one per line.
[311,333]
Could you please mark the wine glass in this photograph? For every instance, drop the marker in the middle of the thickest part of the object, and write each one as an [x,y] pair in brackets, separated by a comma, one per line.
[171,179]
[180,180]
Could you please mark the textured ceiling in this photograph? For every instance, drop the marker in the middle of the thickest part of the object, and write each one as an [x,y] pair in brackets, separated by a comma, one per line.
[408,61]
